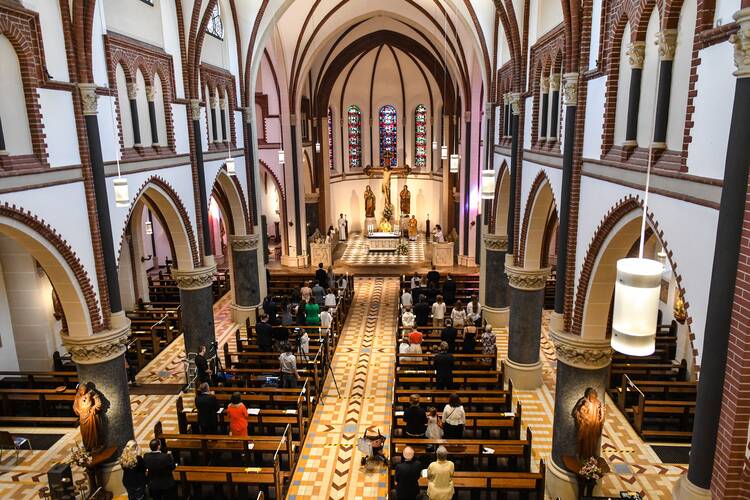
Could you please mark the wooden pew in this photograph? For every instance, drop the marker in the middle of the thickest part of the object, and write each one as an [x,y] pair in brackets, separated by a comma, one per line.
[41,402]
[647,371]
[38,379]
[465,379]
[230,482]
[498,400]
[461,361]
[627,393]
[478,424]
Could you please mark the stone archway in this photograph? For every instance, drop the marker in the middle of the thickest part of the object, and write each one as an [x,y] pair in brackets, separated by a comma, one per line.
[540,208]
[501,202]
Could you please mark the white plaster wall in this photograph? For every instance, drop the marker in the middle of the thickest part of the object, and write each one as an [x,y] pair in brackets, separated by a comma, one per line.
[623,90]
[55,58]
[592,135]
[8,356]
[683,58]
[529,112]
[12,102]
[179,121]
[161,120]
[528,173]
[171,42]
[136,19]
[270,203]
[596,25]
[59,126]
[647,106]
[713,108]
[99,62]
[550,15]
[126,118]
[109,128]
[144,124]
[724,11]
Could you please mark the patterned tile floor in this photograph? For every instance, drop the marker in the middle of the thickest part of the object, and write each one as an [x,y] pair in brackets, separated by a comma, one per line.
[356,253]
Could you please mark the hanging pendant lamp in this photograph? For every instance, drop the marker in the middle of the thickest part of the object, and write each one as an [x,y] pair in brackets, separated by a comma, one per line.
[455,161]
[488,184]
[149,228]
[444,153]
[231,168]
[122,194]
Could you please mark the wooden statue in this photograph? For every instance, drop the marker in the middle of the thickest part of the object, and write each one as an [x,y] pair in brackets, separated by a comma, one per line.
[87,405]
[588,414]
[413,228]
[369,202]
[405,200]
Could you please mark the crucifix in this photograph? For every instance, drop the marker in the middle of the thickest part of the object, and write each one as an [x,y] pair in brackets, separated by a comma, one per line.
[387,170]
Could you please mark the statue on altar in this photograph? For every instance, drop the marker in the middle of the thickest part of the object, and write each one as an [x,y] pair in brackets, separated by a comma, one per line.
[413,228]
[87,405]
[405,200]
[369,202]
[588,414]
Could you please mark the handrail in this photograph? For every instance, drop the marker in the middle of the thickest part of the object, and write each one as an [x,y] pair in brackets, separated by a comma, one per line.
[287,429]
[630,384]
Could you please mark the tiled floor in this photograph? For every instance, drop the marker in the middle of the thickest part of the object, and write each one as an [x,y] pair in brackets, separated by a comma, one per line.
[357,253]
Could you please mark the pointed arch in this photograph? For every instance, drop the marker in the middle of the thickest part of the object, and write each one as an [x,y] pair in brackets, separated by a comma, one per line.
[540,208]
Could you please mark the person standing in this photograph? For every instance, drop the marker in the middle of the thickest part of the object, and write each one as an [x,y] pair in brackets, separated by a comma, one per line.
[474,311]
[449,334]
[440,476]
[444,363]
[342,227]
[288,368]
[433,276]
[454,418]
[330,299]
[406,298]
[201,366]
[207,406]
[458,315]
[306,291]
[331,278]
[407,318]
[237,415]
[133,471]
[449,290]
[415,418]
[470,339]
[301,314]
[422,311]
[264,332]
[407,476]
[159,467]
[312,314]
[319,294]
[321,276]
[416,281]
[489,344]
[438,312]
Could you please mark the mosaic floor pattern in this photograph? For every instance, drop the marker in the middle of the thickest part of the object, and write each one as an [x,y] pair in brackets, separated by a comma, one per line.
[356,253]
[363,366]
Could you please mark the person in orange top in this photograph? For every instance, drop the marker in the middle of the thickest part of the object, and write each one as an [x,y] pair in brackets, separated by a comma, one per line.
[237,413]
[415,337]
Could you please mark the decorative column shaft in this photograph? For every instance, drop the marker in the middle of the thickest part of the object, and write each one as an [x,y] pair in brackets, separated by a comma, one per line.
[636,53]
[89,102]
[708,408]
[196,306]
[544,87]
[467,181]
[554,87]
[297,195]
[508,115]
[514,100]
[2,138]
[494,281]
[195,114]
[222,108]
[523,365]
[133,100]
[152,115]
[213,102]
[246,284]
[581,363]
[667,41]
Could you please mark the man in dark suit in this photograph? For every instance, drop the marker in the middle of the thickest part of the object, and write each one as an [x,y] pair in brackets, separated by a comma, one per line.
[422,311]
[415,418]
[207,407]
[159,467]
[271,309]
[321,276]
[407,476]
[433,276]
[449,334]
[201,366]
[264,331]
[449,290]
[443,362]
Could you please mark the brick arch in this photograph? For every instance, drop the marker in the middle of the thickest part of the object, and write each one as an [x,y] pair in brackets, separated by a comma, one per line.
[540,182]
[167,92]
[82,311]
[502,176]
[236,208]
[613,70]
[640,24]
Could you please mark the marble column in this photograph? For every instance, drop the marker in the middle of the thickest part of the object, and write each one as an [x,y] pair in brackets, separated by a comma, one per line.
[554,104]
[494,282]
[526,287]
[246,285]
[150,95]
[196,306]
[132,99]
[581,363]
[636,53]
[223,115]
[667,42]
[544,89]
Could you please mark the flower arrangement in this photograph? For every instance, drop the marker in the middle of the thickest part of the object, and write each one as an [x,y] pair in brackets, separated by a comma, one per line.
[80,457]
[388,212]
[402,248]
[590,470]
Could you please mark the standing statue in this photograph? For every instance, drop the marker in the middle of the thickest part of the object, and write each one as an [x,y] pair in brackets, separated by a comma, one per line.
[87,405]
[405,201]
[369,202]
[588,414]
[413,228]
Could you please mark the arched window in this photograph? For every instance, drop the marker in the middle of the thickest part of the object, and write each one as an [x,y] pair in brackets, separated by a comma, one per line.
[330,138]
[388,128]
[420,136]
[215,27]
[354,116]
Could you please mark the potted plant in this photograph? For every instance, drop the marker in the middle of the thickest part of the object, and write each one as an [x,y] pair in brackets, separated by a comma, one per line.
[590,472]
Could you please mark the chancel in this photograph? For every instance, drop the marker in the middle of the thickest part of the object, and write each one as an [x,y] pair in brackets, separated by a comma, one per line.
[403,249]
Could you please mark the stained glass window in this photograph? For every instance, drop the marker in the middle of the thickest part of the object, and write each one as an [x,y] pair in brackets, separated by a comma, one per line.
[330,138]
[354,117]
[215,27]
[420,136]
[388,129]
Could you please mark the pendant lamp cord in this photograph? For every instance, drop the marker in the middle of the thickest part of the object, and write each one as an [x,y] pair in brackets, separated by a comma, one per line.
[113,95]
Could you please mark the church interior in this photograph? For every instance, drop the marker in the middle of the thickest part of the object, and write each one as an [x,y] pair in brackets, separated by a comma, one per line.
[452,249]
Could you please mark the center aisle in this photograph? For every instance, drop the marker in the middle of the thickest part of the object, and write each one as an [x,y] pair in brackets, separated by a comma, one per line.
[329,464]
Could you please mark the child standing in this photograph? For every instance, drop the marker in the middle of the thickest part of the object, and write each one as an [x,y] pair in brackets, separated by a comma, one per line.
[434,431]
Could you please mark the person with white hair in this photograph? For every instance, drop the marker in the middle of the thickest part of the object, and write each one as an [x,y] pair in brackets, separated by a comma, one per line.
[407,476]
[440,476]
[133,471]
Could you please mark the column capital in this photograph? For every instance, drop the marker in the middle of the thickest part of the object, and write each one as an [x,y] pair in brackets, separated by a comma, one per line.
[506,98]
[214,99]
[489,106]
[150,93]
[667,42]
[527,279]
[222,103]
[636,53]
[89,97]
[741,42]
[194,279]
[195,109]
[248,114]
[132,90]
[99,347]
[588,354]
[554,82]
[467,116]
[570,89]
[245,242]
[496,242]
[514,98]
[293,119]
[544,84]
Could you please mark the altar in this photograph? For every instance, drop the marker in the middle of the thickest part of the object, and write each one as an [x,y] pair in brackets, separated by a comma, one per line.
[382,241]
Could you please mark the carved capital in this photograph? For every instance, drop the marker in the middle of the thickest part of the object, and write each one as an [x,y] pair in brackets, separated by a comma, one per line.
[195,109]
[194,279]
[570,89]
[515,102]
[544,84]
[222,104]
[150,93]
[506,98]
[554,82]
[99,347]
[132,90]
[89,97]
[527,279]
[667,42]
[636,53]
[467,116]
[244,243]
[741,42]
[248,115]
[583,353]
[496,242]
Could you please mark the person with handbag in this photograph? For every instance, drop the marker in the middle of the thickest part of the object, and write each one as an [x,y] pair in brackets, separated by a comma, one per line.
[454,418]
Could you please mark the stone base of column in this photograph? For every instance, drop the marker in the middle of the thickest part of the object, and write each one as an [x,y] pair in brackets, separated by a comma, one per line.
[560,483]
[684,489]
[240,314]
[524,377]
[497,317]
[466,261]
[297,261]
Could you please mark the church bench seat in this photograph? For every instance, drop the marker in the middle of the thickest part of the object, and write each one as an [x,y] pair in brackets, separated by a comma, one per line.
[478,424]
[497,400]
[673,419]
[462,361]
[627,393]
[465,379]
[38,421]
[38,379]
[37,402]
[230,482]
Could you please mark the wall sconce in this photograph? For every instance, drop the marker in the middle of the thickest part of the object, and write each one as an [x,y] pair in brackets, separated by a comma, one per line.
[434,145]
[488,184]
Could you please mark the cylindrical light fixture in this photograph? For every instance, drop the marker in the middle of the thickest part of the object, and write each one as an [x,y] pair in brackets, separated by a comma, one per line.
[149,228]
[636,306]
[455,160]
[122,196]
[434,145]
[281,156]
[231,169]
[317,147]
[488,184]
[444,153]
